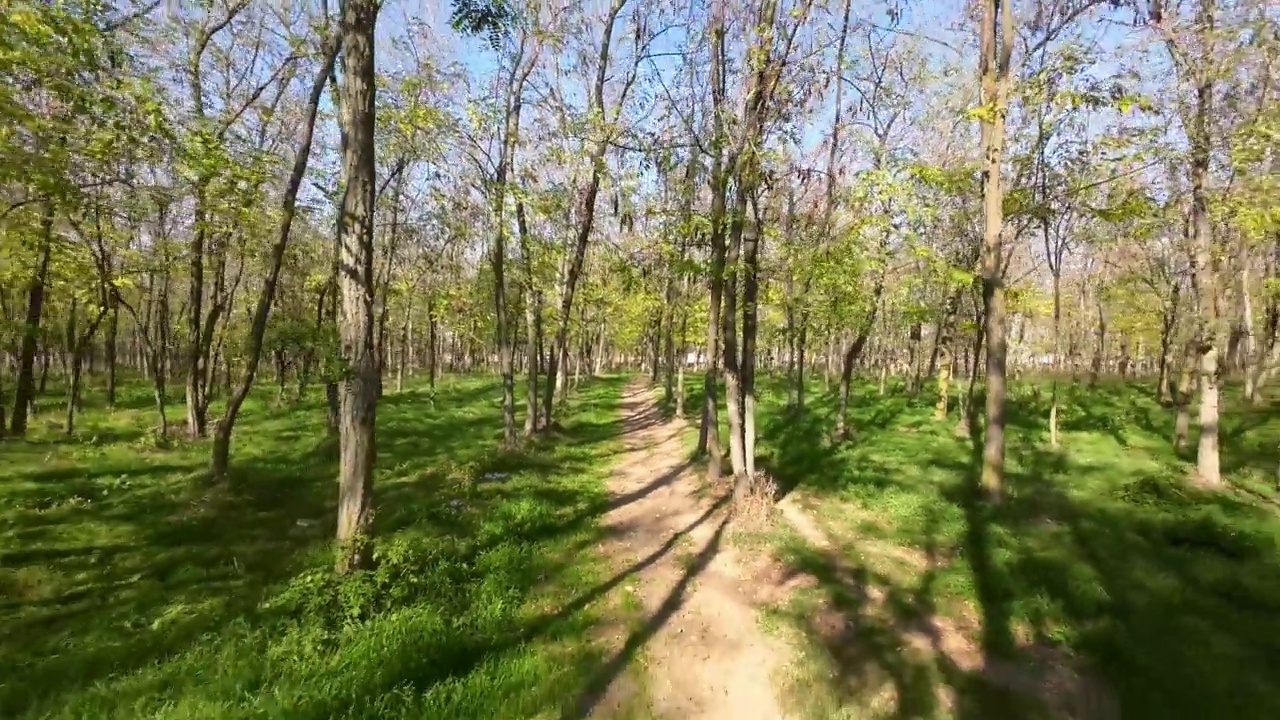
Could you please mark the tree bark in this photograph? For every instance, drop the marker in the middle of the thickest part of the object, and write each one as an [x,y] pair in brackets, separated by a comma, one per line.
[532,319]
[709,434]
[994,69]
[24,391]
[1182,422]
[359,386]
[732,367]
[432,356]
[750,309]
[112,333]
[1267,349]
[1204,271]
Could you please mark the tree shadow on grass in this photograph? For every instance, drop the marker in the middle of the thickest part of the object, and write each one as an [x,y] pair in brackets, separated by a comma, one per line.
[159,569]
[1151,598]
[1172,593]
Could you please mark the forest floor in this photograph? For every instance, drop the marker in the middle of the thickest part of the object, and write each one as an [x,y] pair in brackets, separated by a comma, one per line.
[594,573]
[1106,584]
[130,588]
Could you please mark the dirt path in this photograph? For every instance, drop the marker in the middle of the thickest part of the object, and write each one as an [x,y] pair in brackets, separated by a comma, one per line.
[697,644]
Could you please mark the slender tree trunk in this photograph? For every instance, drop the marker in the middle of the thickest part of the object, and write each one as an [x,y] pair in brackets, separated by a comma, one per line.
[1182,422]
[156,350]
[195,303]
[73,391]
[732,368]
[531,352]
[1168,321]
[497,260]
[432,356]
[359,390]
[913,359]
[967,413]
[994,70]
[1267,355]
[112,332]
[46,359]
[683,351]
[668,338]
[1204,273]
[709,435]
[1100,340]
[557,366]
[506,361]
[406,342]
[655,347]
[750,309]
[790,333]
[851,357]
[24,395]
[801,360]
[1057,350]
[221,455]
[944,363]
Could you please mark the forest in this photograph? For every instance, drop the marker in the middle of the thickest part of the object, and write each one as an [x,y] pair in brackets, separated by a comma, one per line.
[720,359]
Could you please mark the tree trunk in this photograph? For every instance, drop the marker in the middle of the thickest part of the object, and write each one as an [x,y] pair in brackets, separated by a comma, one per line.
[681,359]
[195,302]
[801,339]
[1168,321]
[668,338]
[1204,273]
[913,359]
[112,332]
[709,434]
[556,369]
[46,359]
[1100,341]
[73,390]
[1267,354]
[750,310]
[221,456]
[1057,347]
[994,70]
[432,356]
[851,357]
[406,342]
[1182,422]
[359,387]
[24,394]
[531,311]
[974,354]
[733,399]
[944,365]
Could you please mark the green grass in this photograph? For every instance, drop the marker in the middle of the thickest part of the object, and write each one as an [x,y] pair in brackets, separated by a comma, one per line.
[1101,551]
[130,590]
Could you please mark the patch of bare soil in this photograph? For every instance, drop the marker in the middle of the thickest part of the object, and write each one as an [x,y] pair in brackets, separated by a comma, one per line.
[1043,674]
[696,647]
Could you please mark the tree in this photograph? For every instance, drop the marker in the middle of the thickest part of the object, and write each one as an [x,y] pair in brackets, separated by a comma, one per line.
[302,155]
[360,384]
[993,67]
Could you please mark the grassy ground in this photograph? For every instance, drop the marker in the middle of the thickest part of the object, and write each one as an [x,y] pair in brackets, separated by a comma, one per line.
[1102,553]
[129,590]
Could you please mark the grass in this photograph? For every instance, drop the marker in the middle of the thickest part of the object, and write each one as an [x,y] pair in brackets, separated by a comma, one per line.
[130,590]
[1102,556]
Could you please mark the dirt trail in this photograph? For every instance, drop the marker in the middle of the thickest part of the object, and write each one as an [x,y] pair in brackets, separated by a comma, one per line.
[701,650]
